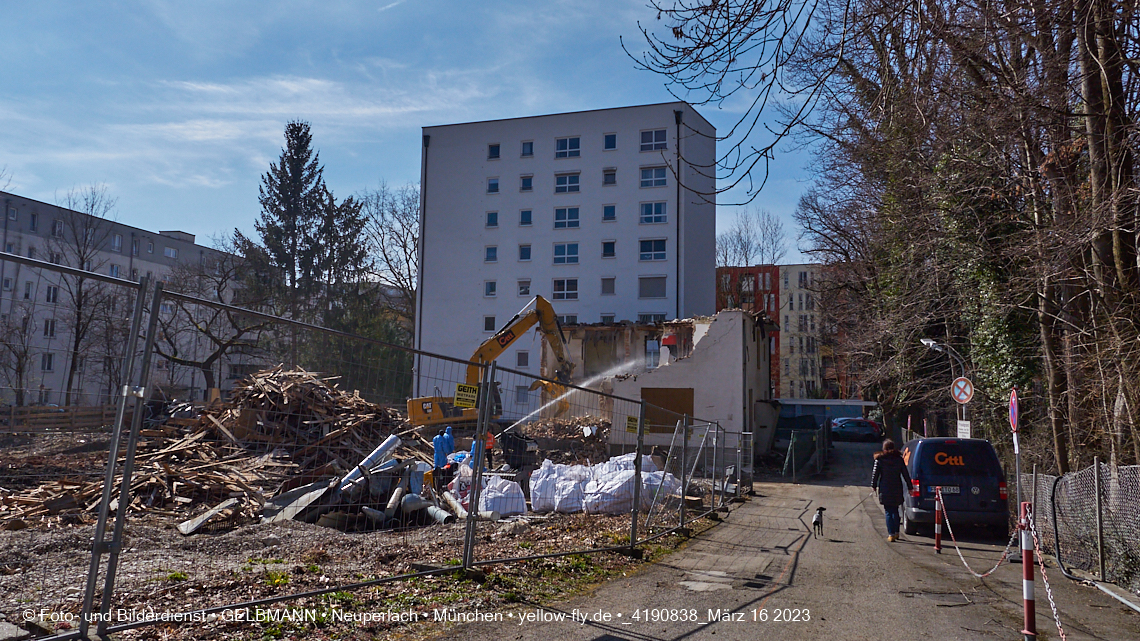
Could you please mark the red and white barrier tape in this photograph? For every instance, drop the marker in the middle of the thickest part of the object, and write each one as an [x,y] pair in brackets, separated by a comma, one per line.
[946,518]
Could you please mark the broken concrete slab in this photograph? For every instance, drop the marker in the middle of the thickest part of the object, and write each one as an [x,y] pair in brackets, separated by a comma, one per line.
[189,527]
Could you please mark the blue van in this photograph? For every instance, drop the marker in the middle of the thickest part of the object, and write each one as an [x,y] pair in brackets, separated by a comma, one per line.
[973,484]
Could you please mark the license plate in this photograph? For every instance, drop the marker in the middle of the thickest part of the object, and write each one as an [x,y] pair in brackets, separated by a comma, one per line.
[947,489]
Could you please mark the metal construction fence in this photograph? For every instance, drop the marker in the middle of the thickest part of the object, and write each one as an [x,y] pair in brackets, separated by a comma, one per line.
[808,451]
[309,479]
[1091,520]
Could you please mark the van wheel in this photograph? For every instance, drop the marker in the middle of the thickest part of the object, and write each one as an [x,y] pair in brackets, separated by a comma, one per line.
[910,528]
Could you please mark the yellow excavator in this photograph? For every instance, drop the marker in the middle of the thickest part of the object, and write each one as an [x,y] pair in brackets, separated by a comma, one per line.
[440,410]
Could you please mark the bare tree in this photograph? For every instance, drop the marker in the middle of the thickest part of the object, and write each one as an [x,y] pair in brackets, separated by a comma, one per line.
[755,238]
[5,178]
[394,232]
[16,351]
[199,336]
[77,238]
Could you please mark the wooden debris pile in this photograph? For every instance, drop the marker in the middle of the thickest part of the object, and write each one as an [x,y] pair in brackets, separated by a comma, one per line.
[281,429]
[575,440]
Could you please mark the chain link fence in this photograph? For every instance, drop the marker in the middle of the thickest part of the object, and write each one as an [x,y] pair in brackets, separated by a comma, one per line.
[318,461]
[1091,530]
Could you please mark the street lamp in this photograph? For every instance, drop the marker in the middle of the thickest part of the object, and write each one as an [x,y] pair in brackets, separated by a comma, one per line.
[954,356]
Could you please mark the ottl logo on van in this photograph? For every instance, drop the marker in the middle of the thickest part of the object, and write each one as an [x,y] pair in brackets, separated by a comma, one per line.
[942,458]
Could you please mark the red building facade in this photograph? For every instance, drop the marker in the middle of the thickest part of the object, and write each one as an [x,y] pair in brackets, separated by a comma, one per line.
[755,289]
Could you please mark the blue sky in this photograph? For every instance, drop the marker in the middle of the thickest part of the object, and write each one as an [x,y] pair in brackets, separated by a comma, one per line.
[179,107]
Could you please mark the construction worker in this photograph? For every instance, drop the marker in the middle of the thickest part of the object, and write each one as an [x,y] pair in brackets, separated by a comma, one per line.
[490,449]
[439,457]
[450,438]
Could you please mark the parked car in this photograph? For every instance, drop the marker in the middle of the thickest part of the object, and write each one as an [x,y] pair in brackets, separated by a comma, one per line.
[973,484]
[854,429]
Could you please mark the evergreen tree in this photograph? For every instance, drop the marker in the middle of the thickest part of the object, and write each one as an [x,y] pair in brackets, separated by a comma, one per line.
[292,196]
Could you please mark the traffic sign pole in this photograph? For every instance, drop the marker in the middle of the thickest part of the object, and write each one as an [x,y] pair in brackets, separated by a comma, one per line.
[1014,411]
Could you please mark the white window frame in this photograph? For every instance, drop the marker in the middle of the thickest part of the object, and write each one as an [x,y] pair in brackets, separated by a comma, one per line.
[568,147]
[529,252]
[57,228]
[489,324]
[491,254]
[656,142]
[607,173]
[570,217]
[526,223]
[117,243]
[654,254]
[612,218]
[522,149]
[492,185]
[564,185]
[488,222]
[494,151]
[526,182]
[566,293]
[658,176]
[648,213]
[52,294]
[524,287]
[602,286]
[47,362]
[612,254]
[665,293]
[490,289]
[170,252]
[522,359]
[567,257]
[604,137]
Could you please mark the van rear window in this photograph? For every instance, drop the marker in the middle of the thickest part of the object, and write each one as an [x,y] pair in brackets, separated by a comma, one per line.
[959,459]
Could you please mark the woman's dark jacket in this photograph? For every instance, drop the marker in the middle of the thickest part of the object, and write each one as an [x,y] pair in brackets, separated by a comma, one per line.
[890,477]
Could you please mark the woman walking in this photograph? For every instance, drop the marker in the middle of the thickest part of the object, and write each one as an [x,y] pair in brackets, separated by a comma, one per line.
[891,480]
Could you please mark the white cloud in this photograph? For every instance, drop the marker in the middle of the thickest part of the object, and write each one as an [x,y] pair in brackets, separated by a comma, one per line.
[389,6]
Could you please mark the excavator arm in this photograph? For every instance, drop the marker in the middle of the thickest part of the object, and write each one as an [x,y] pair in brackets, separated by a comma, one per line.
[538,311]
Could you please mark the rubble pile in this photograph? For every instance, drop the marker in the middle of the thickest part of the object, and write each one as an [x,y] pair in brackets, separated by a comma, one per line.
[281,429]
[576,440]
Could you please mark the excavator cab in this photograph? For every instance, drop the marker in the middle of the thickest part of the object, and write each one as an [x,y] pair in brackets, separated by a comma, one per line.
[444,410]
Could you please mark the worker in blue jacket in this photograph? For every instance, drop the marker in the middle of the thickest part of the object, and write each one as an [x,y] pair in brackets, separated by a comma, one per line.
[450,439]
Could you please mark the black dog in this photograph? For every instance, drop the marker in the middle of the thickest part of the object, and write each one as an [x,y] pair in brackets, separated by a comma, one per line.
[817,521]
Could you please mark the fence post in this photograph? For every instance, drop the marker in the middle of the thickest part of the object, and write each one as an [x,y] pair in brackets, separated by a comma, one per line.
[129,461]
[684,466]
[486,401]
[715,447]
[1030,631]
[792,455]
[637,473]
[97,544]
[1099,517]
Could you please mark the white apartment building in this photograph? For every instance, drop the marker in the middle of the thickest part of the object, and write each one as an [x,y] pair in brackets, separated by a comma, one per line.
[609,213]
[35,316]
[801,326]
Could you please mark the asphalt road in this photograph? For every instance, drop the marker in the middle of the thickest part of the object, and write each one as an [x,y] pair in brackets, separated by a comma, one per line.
[760,574]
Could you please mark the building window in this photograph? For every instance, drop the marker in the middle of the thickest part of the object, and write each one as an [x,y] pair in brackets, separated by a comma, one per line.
[565,217]
[524,252]
[525,218]
[568,319]
[490,254]
[32,252]
[7,284]
[609,142]
[492,185]
[652,250]
[652,213]
[150,246]
[117,242]
[28,290]
[57,228]
[653,177]
[45,396]
[609,213]
[134,247]
[489,289]
[522,358]
[527,148]
[803,279]
[609,248]
[787,367]
[652,353]
[608,285]
[524,287]
[49,328]
[47,362]
[526,183]
[651,287]
[565,253]
[566,289]
[609,176]
[649,319]
[653,140]
[34,222]
[492,219]
[566,183]
[488,323]
[810,303]
[522,395]
[608,319]
[493,152]
[12,213]
[170,252]
[114,271]
[567,148]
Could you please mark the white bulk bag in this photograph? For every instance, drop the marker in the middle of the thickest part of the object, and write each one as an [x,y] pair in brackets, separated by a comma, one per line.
[502,496]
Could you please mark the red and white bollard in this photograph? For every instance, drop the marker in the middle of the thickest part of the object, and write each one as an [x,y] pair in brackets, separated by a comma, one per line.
[938,519]
[1030,631]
